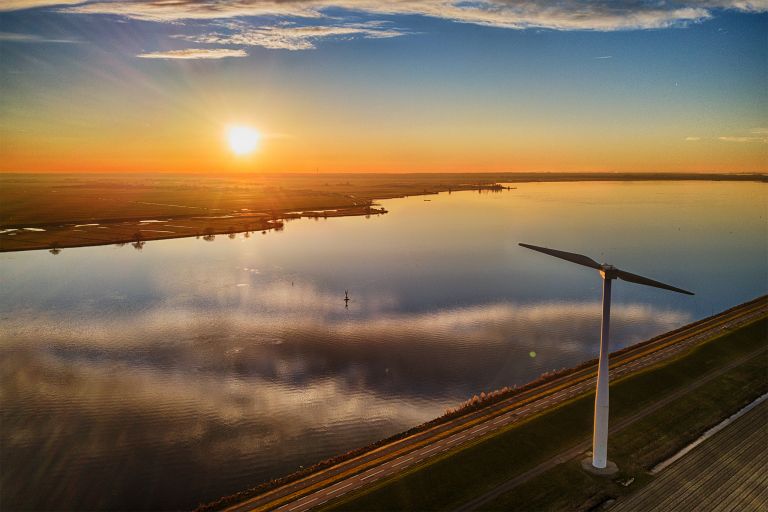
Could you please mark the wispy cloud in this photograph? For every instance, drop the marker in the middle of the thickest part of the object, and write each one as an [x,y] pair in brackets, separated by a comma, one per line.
[604,15]
[12,37]
[18,5]
[755,135]
[742,139]
[293,37]
[300,24]
[693,139]
[194,53]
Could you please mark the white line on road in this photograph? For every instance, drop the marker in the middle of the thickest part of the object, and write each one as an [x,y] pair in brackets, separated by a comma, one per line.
[403,461]
[340,488]
[372,475]
[303,504]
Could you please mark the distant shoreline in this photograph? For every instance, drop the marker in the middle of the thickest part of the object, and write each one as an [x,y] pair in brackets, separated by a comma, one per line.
[60,211]
[524,176]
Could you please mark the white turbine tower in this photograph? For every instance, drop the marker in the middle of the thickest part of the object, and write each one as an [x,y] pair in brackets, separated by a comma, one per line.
[609,273]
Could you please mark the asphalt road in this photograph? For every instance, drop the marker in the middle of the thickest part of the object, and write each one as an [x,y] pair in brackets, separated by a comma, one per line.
[345,477]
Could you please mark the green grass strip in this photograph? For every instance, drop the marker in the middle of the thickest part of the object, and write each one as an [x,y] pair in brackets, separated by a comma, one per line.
[638,447]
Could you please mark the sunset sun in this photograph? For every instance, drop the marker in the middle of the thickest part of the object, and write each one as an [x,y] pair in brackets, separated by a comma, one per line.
[242,140]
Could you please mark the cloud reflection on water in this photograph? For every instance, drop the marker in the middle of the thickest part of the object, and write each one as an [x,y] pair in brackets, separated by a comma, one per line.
[439,355]
[220,390]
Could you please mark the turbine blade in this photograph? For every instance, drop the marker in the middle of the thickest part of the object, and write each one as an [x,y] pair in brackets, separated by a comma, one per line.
[568,256]
[634,278]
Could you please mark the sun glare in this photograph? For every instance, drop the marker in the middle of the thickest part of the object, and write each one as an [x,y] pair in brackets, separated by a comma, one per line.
[242,139]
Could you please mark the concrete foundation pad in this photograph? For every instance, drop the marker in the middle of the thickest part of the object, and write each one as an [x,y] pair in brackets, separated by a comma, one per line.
[609,470]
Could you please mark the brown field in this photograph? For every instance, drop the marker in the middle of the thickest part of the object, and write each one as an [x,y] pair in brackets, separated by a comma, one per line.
[726,473]
[54,211]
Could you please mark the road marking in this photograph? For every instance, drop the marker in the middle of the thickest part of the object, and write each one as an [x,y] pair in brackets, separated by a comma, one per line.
[372,475]
[303,504]
[403,461]
[340,488]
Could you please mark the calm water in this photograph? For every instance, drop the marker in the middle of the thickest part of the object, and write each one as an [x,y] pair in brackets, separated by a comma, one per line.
[170,376]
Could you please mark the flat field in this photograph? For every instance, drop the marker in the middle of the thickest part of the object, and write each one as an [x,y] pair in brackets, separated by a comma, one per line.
[54,211]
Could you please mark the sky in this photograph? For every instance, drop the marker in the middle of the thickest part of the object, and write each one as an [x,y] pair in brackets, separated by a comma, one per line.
[375,86]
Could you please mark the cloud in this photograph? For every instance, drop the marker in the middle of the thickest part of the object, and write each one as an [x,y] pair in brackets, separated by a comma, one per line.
[756,135]
[292,37]
[743,139]
[194,53]
[300,24]
[692,139]
[736,139]
[12,37]
[288,346]
[293,24]
[600,15]
[18,5]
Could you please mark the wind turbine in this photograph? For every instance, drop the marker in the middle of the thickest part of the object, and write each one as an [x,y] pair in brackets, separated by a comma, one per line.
[608,273]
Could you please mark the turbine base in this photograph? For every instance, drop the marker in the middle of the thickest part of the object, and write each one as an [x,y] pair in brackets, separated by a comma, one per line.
[610,468]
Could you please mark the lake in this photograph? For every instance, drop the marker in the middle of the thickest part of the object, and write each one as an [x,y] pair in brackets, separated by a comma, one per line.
[165,377]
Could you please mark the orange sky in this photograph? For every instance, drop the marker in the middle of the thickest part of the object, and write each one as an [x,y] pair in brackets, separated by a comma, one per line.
[398,92]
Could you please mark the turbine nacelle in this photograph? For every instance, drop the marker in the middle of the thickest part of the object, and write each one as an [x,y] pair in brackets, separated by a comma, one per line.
[608,271]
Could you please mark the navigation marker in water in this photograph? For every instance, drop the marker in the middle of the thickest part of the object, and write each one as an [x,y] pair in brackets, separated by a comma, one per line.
[608,273]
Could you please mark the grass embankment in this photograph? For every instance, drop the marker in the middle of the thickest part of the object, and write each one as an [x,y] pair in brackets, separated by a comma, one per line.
[462,475]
